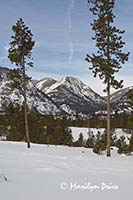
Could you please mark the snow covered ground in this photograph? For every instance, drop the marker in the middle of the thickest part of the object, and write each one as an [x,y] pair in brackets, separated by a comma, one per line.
[62,173]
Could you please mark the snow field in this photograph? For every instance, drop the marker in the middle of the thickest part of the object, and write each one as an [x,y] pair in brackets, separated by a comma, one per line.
[58,172]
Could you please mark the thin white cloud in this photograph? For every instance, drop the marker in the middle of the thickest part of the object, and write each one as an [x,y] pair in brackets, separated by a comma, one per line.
[69,29]
[71,52]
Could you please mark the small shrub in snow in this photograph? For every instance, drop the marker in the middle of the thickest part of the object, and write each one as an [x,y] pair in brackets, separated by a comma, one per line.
[90,140]
[99,143]
[122,145]
[80,141]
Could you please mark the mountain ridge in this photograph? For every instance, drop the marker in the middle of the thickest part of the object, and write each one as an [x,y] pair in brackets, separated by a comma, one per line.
[66,96]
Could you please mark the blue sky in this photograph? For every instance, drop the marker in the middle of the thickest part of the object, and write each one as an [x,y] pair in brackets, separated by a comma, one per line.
[62,32]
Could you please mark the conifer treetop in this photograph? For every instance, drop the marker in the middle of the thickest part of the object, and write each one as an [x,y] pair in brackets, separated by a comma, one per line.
[21,44]
[109,57]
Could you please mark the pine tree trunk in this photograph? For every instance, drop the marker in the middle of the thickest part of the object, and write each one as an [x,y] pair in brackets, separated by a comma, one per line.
[108,120]
[26,122]
[25,107]
[108,91]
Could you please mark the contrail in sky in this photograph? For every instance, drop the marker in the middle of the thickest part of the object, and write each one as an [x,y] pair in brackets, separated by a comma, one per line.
[71,52]
[69,23]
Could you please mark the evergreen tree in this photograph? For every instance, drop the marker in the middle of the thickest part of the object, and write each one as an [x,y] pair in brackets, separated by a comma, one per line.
[37,131]
[131,143]
[97,144]
[90,140]
[130,147]
[58,135]
[69,138]
[100,142]
[121,144]
[109,57]
[79,142]
[20,53]
[113,138]
[14,122]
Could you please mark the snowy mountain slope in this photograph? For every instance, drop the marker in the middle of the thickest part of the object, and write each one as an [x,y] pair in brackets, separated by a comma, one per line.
[49,173]
[119,100]
[68,95]
[44,83]
[77,87]
[73,96]
[43,103]
[116,96]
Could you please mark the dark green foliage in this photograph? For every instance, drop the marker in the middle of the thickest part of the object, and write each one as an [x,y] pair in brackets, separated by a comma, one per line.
[15,127]
[130,146]
[16,80]
[120,121]
[121,144]
[69,138]
[109,56]
[97,149]
[80,141]
[90,140]
[14,122]
[130,122]
[20,52]
[113,137]
[36,127]
[58,135]
[99,143]
[52,130]
[50,133]
[131,143]
[21,45]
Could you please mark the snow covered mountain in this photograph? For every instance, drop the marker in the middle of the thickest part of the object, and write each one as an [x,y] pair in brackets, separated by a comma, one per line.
[36,98]
[68,95]
[119,100]
[44,83]
[72,95]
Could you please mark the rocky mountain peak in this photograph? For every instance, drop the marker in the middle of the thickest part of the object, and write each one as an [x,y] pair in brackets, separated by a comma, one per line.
[68,95]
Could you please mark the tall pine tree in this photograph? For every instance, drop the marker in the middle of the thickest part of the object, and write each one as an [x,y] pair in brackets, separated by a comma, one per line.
[20,52]
[109,57]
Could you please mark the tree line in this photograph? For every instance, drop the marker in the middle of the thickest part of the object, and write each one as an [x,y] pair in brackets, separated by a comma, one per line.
[53,130]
